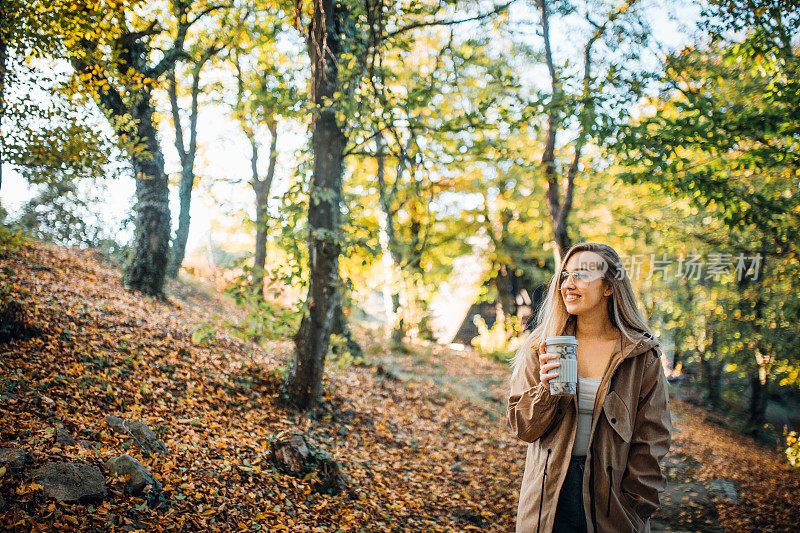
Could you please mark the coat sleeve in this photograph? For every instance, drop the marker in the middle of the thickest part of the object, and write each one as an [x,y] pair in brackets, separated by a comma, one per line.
[532,410]
[643,479]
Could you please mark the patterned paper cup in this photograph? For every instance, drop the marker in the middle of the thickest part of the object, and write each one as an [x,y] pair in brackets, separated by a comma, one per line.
[566,347]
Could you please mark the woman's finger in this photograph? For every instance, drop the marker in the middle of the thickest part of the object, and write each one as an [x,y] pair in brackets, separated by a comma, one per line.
[544,358]
[548,366]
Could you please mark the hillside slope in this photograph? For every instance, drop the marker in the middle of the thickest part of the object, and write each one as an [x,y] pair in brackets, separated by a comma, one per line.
[420,436]
[415,458]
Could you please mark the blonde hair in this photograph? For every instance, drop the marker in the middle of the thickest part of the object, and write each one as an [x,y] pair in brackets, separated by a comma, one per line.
[553,318]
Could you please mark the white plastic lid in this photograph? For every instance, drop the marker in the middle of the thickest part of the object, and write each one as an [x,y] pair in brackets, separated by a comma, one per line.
[561,339]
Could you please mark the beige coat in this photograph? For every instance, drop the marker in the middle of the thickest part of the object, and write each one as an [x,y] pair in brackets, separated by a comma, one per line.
[630,435]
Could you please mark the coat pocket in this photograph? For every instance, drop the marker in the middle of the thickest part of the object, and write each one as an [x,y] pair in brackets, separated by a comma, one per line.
[630,511]
[618,415]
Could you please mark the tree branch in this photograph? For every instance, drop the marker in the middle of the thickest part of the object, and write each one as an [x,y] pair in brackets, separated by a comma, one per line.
[172,90]
[498,9]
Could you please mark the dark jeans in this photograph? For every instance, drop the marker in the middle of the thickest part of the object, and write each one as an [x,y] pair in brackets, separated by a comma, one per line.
[570,517]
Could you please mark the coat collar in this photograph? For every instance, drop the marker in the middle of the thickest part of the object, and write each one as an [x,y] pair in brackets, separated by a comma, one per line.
[634,348]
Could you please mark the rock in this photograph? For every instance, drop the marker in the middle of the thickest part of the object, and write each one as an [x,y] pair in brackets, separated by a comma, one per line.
[139,478]
[13,459]
[386,373]
[64,438]
[117,424]
[71,482]
[89,445]
[142,435]
[725,489]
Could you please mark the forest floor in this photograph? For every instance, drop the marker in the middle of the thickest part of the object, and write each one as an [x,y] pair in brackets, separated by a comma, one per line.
[420,434]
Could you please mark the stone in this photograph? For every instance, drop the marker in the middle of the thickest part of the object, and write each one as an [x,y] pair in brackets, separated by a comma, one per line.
[64,438]
[71,482]
[143,437]
[139,478]
[724,489]
[117,424]
[13,459]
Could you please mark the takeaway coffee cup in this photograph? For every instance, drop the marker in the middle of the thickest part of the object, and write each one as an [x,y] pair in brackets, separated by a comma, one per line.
[566,348]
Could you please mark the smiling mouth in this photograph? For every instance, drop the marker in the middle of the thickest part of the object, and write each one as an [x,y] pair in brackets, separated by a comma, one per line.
[571,298]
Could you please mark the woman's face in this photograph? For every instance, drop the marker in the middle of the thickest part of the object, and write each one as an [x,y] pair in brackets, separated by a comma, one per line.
[584,289]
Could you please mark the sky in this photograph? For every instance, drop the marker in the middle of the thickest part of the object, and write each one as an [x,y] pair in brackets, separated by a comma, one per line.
[222,195]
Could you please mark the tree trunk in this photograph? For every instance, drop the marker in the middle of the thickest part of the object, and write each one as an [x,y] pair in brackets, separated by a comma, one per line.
[186,156]
[260,256]
[182,235]
[148,261]
[712,377]
[760,380]
[558,216]
[757,404]
[3,53]
[147,266]
[262,189]
[328,143]
[341,327]
[560,207]
[504,283]
[390,248]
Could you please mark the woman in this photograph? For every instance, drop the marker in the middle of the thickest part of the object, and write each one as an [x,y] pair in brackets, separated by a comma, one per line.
[593,461]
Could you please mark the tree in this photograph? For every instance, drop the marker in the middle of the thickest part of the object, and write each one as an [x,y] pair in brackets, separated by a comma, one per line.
[265,96]
[327,39]
[583,110]
[200,54]
[338,97]
[50,143]
[118,57]
[416,137]
[722,136]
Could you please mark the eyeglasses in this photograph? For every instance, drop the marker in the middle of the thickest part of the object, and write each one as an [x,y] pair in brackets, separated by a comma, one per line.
[580,277]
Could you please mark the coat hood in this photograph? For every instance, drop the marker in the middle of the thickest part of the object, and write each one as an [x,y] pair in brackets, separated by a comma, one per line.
[639,347]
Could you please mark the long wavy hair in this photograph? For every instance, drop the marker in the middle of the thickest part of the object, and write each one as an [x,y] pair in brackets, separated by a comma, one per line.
[553,318]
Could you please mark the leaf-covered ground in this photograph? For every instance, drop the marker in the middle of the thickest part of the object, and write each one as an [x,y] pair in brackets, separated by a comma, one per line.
[768,487]
[420,435]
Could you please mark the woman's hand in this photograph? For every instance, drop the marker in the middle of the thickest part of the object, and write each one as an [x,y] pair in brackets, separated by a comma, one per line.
[544,366]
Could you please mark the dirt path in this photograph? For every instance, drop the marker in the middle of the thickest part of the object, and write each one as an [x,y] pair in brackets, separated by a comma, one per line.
[687,504]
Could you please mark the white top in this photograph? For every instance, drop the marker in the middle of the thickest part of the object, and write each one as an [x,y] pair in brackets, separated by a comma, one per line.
[587,390]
